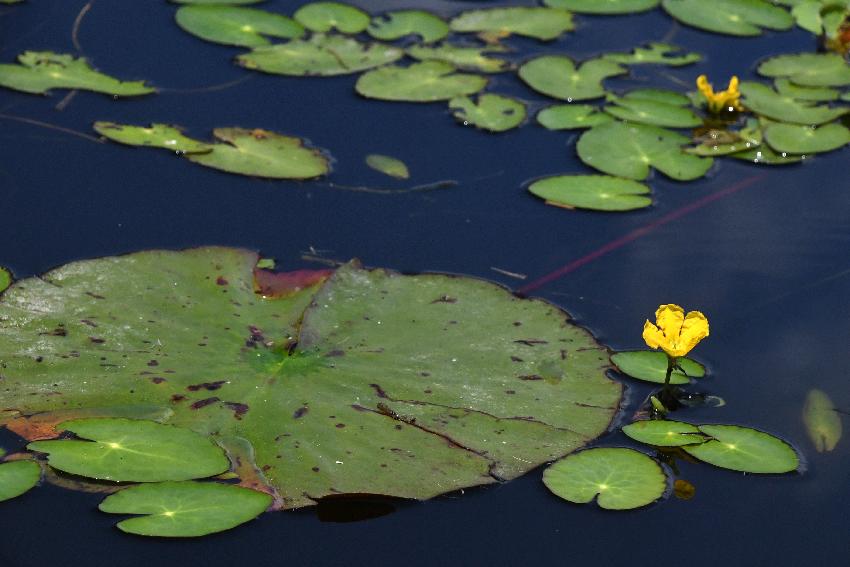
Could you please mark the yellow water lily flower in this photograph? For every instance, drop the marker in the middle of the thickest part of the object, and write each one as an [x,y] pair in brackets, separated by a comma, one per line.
[674,332]
[723,101]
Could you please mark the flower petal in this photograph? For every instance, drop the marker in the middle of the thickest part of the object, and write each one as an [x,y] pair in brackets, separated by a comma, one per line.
[669,319]
[694,329]
[653,335]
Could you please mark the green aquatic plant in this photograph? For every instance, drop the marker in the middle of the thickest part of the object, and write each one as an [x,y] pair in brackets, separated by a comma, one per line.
[558,77]
[732,17]
[17,477]
[540,23]
[571,117]
[823,424]
[231,25]
[388,165]
[401,23]
[594,192]
[327,16]
[162,136]
[494,113]
[428,81]
[651,366]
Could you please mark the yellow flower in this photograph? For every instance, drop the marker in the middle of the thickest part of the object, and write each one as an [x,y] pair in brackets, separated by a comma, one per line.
[674,332]
[720,101]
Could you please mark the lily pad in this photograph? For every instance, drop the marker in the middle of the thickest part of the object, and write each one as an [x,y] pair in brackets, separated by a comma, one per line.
[807,15]
[744,449]
[618,478]
[652,112]
[814,94]
[809,69]
[732,17]
[185,509]
[339,375]
[663,96]
[156,136]
[725,142]
[764,155]
[262,153]
[800,139]
[595,192]
[657,53]
[540,23]
[468,58]
[40,71]
[823,424]
[17,477]
[133,450]
[628,150]
[321,55]
[491,112]
[763,100]
[572,116]
[558,77]
[664,433]
[604,6]
[395,25]
[651,366]
[325,16]
[388,165]
[232,25]
[5,279]
[421,82]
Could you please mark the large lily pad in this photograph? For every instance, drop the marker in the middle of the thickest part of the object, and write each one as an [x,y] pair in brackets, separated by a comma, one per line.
[814,94]
[765,101]
[823,424]
[40,71]
[491,112]
[540,23]
[809,69]
[421,82]
[651,366]
[325,16]
[232,25]
[732,17]
[658,53]
[364,382]
[572,116]
[558,77]
[468,58]
[155,136]
[595,192]
[744,449]
[395,25]
[604,6]
[800,139]
[17,477]
[646,111]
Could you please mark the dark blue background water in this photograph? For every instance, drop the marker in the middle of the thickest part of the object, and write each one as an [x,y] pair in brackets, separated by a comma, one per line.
[769,265]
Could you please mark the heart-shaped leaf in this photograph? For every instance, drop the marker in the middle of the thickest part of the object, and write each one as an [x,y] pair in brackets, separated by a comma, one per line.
[604,6]
[540,23]
[232,25]
[657,53]
[744,449]
[421,82]
[595,192]
[765,101]
[156,136]
[800,139]
[558,77]
[732,17]
[572,116]
[467,58]
[491,112]
[651,366]
[823,424]
[664,433]
[325,16]
[395,25]
[809,69]
[17,477]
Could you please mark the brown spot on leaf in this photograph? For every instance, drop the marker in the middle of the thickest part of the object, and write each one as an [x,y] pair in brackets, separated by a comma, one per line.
[210,386]
[204,403]
[153,363]
[88,322]
[532,342]
[177,398]
[284,284]
[158,379]
[340,425]
[378,391]
[97,340]
[221,281]
[445,299]
[516,359]
[336,352]
[531,377]
[300,412]
[239,409]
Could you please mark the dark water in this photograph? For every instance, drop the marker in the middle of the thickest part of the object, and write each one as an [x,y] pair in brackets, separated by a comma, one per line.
[769,264]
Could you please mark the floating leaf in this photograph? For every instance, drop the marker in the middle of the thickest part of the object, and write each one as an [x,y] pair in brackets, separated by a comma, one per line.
[325,16]
[421,82]
[185,509]
[5,279]
[807,15]
[800,139]
[732,17]
[133,450]
[822,421]
[628,150]
[395,25]
[40,71]
[604,6]
[618,478]
[651,366]
[809,69]
[263,154]
[339,375]
[17,477]
[815,94]
[724,142]
[232,25]
[572,116]
[540,23]
[664,433]
[558,77]
[763,155]
[491,112]
[744,449]
[322,55]
[155,136]
[388,165]
[651,112]
[469,58]
[658,53]
[765,101]
[663,96]
[595,192]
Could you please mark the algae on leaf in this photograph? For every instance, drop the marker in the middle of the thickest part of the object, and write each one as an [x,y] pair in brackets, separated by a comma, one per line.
[540,23]
[558,77]
[231,25]
[491,112]
[155,136]
[421,82]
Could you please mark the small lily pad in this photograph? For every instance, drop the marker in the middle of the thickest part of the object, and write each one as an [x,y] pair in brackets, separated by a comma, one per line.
[185,509]
[156,136]
[604,6]
[231,25]
[17,477]
[732,17]
[813,94]
[763,100]
[5,279]
[652,112]
[725,142]
[133,450]
[40,71]
[657,53]
[325,16]
[595,192]
[558,77]
[262,153]
[744,449]
[468,58]
[421,82]
[651,366]
[388,165]
[664,96]
[764,155]
[395,25]
[809,69]
[491,112]
[540,23]
[823,424]
[664,433]
[618,478]
[572,116]
[800,139]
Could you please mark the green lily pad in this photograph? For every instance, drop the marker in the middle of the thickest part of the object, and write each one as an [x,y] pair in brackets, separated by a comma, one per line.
[571,116]
[395,25]
[595,192]
[262,153]
[823,424]
[618,478]
[604,6]
[558,77]
[5,279]
[40,71]
[325,16]
[800,139]
[185,509]
[664,433]
[491,112]
[732,17]
[744,449]
[156,136]
[651,366]
[421,82]
[763,100]
[645,111]
[725,142]
[133,450]
[17,477]
[337,373]
[809,69]
[663,96]
[388,165]
[764,155]
[468,58]
[814,94]
[807,15]
[540,23]
[232,25]
[657,53]
[321,55]
[628,150]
